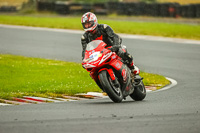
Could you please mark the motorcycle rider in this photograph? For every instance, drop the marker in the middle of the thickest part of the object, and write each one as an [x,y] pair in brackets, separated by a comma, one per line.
[95,31]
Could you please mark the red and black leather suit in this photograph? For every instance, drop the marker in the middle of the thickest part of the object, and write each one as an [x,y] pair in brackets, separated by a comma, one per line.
[106,34]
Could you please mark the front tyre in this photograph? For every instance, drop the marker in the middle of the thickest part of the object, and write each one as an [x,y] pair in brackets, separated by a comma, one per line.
[113,92]
[139,92]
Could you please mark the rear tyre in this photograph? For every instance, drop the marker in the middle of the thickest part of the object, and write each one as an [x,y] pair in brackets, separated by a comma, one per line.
[113,92]
[139,92]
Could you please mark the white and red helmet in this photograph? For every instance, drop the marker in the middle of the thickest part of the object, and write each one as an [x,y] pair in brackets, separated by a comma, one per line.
[89,21]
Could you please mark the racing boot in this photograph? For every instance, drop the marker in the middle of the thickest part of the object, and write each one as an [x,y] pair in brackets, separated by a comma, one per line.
[130,64]
[134,70]
[132,67]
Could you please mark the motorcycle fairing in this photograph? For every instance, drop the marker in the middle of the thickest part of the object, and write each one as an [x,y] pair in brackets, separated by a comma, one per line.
[98,58]
[98,48]
[116,64]
[110,72]
[126,80]
[124,72]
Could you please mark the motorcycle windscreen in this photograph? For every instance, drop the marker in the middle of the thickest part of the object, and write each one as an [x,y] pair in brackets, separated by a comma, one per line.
[95,44]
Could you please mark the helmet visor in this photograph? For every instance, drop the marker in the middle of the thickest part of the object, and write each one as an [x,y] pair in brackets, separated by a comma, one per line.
[88,25]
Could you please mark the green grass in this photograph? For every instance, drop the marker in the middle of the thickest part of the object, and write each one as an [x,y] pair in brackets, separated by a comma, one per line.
[157,29]
[51,22]
[180,1]
[155,80]
[142,28]
[31,76]
[20,76]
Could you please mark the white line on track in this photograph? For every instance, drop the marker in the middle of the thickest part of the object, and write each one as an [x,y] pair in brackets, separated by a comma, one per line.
[173,83]
[163,39]
[128,36]
[4,104]
[42,29]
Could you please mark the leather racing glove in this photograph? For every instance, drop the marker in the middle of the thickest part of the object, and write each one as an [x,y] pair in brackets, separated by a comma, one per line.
[114,48]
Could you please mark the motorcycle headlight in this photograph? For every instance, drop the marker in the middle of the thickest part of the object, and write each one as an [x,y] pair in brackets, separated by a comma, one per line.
[93,57]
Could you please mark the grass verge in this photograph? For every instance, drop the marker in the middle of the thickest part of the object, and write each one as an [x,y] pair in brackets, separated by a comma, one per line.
[142,28]
[24,76]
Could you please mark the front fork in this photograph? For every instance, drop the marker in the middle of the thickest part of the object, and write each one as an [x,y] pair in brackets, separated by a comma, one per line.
[111,74]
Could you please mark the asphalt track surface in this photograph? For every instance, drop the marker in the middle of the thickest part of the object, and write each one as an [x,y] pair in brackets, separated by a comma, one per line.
[176,110]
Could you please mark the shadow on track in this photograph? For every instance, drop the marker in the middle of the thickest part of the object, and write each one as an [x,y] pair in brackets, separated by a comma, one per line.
[100,102]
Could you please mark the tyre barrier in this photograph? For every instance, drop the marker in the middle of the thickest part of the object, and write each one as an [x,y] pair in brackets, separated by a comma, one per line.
[121,8]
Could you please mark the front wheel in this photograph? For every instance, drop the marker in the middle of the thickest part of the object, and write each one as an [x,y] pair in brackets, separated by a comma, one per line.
[113,92]
[139,92]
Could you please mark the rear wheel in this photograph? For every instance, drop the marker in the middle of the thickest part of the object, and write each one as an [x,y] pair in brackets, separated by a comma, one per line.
[139,92]
[113,92]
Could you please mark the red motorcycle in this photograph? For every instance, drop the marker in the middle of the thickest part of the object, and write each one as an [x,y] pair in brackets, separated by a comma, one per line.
[111,73]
